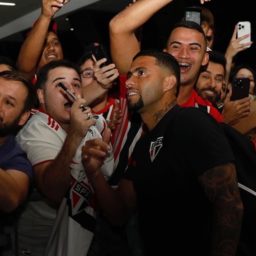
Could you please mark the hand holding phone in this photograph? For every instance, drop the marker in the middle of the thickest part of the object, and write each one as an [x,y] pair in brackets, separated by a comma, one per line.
[240,88]
[244,28]
[99,53]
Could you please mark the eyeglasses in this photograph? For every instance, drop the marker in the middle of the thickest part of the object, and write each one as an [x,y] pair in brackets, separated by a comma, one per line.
[87,73]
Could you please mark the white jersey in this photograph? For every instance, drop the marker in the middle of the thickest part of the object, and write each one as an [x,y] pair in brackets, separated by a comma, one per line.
[42,138]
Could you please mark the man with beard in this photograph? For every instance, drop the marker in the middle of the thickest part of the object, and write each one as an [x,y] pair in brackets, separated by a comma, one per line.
[210,86]
[16,100]
[179,180]
[211,81]
[186,42]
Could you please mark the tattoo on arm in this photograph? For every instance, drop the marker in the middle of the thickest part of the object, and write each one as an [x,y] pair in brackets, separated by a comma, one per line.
[220,185]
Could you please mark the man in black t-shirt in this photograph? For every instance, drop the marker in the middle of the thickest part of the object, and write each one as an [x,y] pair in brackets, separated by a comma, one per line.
[181,180]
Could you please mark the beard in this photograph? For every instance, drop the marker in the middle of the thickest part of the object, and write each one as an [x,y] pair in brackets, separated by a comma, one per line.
[7,129]
[213,98]
[136,106]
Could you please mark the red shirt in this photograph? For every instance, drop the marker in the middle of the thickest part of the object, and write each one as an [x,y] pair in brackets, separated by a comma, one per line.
[197,101]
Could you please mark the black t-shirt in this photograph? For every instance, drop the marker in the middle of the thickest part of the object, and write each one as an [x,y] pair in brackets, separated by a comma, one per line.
[174,214]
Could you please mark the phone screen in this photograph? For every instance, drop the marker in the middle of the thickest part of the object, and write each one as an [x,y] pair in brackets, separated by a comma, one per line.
[240,88]
[193,14]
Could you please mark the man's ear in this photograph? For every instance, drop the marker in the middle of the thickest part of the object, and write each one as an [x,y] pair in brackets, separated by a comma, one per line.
[24,118]
[205,59]
[170,82]
[40,95]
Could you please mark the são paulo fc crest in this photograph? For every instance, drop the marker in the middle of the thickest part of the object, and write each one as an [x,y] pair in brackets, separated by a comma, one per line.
[155,147]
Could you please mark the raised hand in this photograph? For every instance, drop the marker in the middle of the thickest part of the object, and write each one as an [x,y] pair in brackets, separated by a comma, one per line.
[105,75]
[235,110]
[115,117]
[94,153]
[50,7]
[81,118]
[235,46]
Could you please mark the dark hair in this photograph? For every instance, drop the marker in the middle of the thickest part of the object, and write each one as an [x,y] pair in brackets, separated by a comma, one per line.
[246,66]
[13,75]
[87,54]
[190,25]
[4,60]
[89,51]
[43,72]
[217,57]
[236,69]
[163,59]
[207,16]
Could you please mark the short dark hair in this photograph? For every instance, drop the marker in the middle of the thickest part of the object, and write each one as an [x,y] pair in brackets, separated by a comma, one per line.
[236,69]
[87,55]
[217,57]
[4,60]
[190,25]
[42,75]
[165,59]
[13,75]
[207,16]
[89,51]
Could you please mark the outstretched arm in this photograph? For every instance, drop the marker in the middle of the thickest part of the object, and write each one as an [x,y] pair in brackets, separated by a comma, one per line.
[53,177]
[14,189]
[233,49]
[32,47]
[118,204]
[123,42]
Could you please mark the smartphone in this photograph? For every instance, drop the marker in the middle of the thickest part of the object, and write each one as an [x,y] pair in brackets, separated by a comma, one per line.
[99,53]
[244,28]
[240,88]
[193,13]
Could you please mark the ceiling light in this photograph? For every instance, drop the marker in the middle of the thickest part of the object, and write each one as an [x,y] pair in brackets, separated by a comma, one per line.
[7,4]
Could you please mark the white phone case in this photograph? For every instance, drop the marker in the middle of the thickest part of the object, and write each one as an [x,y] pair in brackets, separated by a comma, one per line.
[244,28]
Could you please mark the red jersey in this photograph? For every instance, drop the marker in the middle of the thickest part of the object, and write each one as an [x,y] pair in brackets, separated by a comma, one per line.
[197,101]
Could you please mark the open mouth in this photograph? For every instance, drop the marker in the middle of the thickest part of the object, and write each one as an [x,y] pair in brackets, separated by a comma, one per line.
[209,93]
[184,66]
[51,56]
[68,105]
[130,94]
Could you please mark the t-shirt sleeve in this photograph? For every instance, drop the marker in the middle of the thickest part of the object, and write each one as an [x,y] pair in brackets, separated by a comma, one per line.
[41,142]
[19,162]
